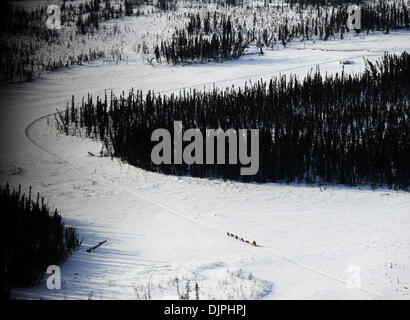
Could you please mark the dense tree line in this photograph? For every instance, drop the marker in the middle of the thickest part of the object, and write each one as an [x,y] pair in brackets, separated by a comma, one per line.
[24,32]
[188,46]
[344,129]
[21,33]
[203,37]
[93,14]
[19,62]
[33,237]
[166,5]
[381,15]
[322,2]
[172,5]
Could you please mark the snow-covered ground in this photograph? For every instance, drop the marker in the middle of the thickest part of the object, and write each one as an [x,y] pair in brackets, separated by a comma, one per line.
[166,233]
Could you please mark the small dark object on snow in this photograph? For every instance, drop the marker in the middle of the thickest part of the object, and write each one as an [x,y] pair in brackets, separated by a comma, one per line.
[345,62]
[96,246]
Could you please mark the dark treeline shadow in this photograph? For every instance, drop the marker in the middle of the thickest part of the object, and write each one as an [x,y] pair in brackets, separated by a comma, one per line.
[33,237]
[341,129]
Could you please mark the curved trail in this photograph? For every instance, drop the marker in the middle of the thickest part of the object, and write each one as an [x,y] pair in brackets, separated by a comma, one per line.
[260,251]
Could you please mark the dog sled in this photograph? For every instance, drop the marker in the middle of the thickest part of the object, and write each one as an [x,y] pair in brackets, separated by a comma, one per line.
[253,243]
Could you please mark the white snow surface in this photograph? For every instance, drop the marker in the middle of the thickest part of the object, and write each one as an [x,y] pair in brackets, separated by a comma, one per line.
[167,233]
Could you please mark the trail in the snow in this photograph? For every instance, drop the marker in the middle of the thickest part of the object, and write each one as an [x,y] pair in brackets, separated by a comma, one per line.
[262,75]
[258,251]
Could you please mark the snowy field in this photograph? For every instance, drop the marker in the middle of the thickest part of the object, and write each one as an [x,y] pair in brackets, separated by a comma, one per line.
[165,233]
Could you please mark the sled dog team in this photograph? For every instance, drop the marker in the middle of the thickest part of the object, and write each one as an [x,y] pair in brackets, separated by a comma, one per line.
[253,243]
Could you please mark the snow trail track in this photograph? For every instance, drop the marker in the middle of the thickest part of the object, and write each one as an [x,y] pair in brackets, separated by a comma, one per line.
[321,232]
[219,232]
